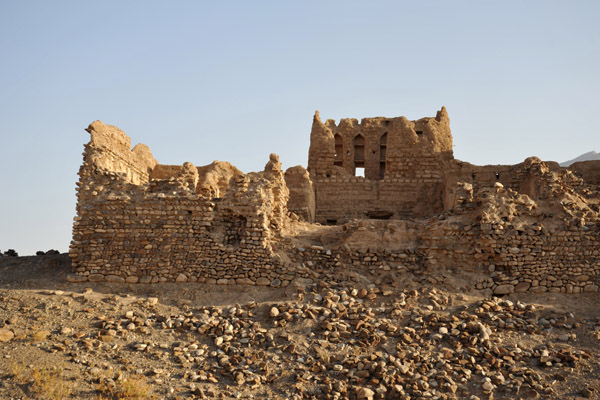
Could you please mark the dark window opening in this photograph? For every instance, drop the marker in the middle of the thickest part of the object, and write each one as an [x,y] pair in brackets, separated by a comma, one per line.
[382,155]
[497,175]
[331,221]
[359,148]
[387,122]
[419,133]
[379,214]
[473,176]
[339,151]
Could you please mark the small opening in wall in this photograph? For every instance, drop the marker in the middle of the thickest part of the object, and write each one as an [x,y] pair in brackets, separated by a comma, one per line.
[360,171]
[189,211]
[419,133]
[473,176]
[339,151]
[387,122]
[497,175]
[348,152]
[331,221]
[379,214]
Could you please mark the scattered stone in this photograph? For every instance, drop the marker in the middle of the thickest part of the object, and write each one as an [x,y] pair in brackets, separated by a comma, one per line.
[6,335]
[40,336]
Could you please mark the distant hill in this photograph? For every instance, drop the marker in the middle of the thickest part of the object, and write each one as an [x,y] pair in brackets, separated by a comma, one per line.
[592,155]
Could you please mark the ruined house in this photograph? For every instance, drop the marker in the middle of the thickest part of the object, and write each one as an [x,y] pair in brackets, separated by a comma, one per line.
[381,193]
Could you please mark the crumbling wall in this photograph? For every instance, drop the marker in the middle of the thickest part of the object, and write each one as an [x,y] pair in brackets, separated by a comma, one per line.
[526,227]
[545,237]
[508,241]
[403,161]
[302,194]
[589,171]
[110,149]
[517,177]
[213,179]
[130,229]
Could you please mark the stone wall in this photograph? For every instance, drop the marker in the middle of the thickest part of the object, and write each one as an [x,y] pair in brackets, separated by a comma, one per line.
[157,239]
[403,161]
[131,229]
[509,241]
[302,194]
[589,171]
[110,149]
[527,227]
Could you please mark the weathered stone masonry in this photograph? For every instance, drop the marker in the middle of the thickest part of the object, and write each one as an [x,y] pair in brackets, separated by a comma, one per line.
[528,227]
[132,229]
[403,162]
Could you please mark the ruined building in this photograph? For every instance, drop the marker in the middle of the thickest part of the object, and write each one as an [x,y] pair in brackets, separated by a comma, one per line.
[382,193]
[380,167]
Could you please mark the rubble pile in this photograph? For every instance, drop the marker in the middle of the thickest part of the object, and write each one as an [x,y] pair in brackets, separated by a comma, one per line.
[330,342]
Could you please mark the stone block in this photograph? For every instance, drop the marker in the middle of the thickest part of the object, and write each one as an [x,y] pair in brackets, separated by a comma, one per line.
[76,278]
[114,279]
[96,278]
[522,287]
[263,281]
[504,289]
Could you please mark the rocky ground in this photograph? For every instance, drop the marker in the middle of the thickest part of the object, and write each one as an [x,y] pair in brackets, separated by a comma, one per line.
[350,336]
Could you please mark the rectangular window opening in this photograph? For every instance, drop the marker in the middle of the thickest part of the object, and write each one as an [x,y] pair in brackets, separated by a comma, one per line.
[360,171]
[382,170]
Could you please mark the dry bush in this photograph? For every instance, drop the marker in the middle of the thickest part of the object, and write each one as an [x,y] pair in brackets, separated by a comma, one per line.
[43,382]
[133,387]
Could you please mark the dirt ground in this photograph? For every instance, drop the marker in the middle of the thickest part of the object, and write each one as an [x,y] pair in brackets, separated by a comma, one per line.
[358,336]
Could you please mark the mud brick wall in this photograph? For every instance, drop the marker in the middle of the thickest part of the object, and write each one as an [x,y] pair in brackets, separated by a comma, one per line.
[404,165]
[588,170]
[302,193]
[343,198]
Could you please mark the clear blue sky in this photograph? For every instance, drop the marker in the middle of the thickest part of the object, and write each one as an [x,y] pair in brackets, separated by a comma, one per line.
[235,81]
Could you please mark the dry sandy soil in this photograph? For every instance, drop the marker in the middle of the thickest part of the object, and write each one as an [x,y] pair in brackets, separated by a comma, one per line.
[357,335]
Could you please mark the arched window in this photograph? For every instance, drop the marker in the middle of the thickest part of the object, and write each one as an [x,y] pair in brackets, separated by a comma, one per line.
[382,155]
[359,155]
[339,151]
[359,149]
